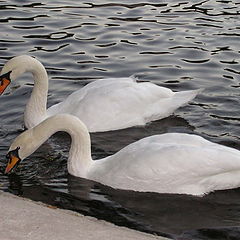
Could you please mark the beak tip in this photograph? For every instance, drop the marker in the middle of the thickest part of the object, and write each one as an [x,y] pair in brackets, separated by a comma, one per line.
[6,172]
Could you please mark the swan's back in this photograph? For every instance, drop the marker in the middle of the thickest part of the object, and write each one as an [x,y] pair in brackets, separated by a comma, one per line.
[171,163]
[111,104]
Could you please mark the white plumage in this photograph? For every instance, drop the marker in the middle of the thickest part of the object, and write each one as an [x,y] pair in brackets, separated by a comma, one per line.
[103,105]
[168,163]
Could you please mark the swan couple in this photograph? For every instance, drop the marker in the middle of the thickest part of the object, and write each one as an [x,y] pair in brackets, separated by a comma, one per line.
[167,163]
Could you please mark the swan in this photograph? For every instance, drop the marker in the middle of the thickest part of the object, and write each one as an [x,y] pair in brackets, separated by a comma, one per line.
[167,163]
[103,105]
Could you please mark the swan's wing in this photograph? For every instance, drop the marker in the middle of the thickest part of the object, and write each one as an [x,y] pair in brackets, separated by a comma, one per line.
[193,165]
[107,105]
[78,95]
[115,104]
[163,107]
[120,105]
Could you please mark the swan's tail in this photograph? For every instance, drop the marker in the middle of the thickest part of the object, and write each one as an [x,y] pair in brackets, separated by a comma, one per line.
[182,98]
[165,107]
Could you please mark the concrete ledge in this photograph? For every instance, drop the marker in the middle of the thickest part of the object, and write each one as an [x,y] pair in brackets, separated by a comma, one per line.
[23,219]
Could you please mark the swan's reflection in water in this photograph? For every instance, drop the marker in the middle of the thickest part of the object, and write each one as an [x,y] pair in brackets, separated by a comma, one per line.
[172,215]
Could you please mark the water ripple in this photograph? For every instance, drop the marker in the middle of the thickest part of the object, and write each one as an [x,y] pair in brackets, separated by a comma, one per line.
[182,45]
[22,18]
[53,36]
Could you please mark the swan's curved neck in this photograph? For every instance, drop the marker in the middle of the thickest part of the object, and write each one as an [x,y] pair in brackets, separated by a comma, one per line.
[80,159]
[36,108]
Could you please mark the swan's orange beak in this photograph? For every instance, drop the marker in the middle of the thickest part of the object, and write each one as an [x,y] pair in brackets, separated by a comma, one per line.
[4,82]
[13,160]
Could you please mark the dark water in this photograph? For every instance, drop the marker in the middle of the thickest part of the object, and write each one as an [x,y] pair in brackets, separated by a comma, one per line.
[177,44]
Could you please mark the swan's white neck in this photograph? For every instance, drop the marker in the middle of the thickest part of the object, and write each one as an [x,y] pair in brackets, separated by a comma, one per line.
[36,108]
[80,159]
[35,111]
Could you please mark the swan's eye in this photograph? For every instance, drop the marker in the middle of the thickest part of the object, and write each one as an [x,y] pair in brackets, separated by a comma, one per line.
[6,75]
[8,156]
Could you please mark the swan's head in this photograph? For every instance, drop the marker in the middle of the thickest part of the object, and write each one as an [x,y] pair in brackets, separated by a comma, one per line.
[22,147]
[13,69]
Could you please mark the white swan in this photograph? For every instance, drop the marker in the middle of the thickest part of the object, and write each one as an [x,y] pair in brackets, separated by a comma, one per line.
[103,105]
[167,163]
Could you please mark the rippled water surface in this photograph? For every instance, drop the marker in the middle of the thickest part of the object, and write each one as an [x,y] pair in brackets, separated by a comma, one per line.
[177,44]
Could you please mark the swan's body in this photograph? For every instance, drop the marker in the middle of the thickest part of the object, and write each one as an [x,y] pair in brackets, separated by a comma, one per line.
[167,163]
[103,105]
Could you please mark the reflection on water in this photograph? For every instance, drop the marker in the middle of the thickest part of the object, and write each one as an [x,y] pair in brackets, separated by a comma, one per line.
[175,216]
[177,44]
